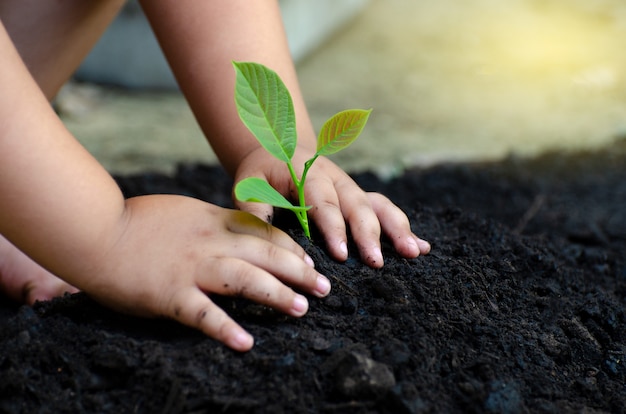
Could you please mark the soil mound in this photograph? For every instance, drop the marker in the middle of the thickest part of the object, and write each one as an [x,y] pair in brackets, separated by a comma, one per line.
[519,308]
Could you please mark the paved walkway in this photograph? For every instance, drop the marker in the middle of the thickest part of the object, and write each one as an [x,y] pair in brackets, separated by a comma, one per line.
[447,81]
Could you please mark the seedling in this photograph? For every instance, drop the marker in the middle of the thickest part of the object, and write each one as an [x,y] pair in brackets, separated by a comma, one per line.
[266,108]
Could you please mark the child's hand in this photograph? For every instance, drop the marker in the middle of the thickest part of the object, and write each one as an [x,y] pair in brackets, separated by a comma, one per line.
[23,280]
[336,200]
[207,79]
[175,251]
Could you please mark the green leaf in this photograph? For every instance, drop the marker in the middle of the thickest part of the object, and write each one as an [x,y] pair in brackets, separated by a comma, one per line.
[265,107]
[254,189]
[341,130]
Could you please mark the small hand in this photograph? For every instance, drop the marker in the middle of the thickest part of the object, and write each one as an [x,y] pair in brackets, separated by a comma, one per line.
[175,251]
[336,200]
[23,280]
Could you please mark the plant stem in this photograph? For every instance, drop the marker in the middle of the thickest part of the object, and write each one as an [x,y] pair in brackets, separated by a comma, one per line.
[307,165]
[302,215]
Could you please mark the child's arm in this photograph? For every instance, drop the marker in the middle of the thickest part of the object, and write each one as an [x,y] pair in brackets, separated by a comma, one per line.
[200,39]
[154,255]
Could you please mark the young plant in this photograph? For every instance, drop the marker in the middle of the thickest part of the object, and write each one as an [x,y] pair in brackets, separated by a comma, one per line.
[265,107]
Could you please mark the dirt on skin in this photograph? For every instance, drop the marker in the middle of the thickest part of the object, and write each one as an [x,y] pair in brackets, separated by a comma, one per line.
[519,308]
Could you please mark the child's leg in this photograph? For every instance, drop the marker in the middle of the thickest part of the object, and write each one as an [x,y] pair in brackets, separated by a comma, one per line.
[52,39]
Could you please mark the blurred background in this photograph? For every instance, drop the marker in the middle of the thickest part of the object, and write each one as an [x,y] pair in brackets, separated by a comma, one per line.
[448,81]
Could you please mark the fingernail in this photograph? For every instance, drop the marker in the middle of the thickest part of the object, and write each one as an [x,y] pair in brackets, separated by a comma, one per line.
[322,287]
[424,246]
[300,305]
[376,259]
[242,341]
[412,244]
[308,260]
[343,247]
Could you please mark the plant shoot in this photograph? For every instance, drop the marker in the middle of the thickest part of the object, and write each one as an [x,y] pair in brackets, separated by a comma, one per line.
[266,108]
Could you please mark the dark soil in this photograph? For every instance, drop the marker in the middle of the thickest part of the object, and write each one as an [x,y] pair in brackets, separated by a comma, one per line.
[519,308]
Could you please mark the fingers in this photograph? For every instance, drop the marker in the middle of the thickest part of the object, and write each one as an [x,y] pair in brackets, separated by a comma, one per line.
[254,260]
[234,277]
[335,204]
[365,229]
[238,277]
[368,214]
[397,227]
[326,212]
[243,223]
[193,308]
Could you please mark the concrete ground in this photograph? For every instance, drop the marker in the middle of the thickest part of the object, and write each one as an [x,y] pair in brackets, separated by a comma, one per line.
[448,81]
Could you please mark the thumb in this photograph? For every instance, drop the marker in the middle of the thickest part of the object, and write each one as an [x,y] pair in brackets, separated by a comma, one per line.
[263,211]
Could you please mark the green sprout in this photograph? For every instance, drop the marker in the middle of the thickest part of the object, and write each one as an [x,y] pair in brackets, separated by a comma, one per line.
[266,108]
